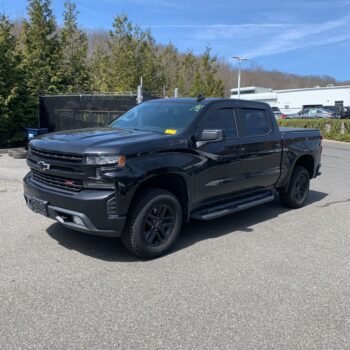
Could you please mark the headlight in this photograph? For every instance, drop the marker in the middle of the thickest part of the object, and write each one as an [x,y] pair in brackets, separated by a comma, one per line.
[107,159]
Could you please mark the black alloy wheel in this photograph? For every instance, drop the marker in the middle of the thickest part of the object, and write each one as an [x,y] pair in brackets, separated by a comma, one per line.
[301,187]
[298,189]
[154,223]
[159,224]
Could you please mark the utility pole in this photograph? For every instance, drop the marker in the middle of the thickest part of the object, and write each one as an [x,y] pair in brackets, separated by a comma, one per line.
[239,59]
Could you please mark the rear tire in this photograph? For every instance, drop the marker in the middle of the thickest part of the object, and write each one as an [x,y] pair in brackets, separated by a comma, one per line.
[298,189]
[154,224]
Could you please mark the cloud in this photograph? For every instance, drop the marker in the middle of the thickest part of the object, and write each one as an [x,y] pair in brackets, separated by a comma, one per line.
[161,3]
[222,26]
[265,39]
[306,35]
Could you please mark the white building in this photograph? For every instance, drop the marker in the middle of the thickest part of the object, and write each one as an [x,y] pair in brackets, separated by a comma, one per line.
[294,100]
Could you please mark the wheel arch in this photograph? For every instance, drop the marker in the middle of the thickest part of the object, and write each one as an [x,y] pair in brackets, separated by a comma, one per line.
[308,162]
[305,160]
[170,181]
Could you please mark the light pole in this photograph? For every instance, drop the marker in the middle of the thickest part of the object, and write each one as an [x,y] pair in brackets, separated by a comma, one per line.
[239,59]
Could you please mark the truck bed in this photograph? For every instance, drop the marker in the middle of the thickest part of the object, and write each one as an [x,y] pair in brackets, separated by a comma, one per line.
[288,133]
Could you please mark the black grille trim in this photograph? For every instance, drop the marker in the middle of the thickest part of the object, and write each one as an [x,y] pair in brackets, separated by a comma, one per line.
[112,208]
[57,156]
[56,181]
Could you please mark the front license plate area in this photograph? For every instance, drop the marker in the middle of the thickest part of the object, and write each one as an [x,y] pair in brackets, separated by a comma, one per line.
[37,205]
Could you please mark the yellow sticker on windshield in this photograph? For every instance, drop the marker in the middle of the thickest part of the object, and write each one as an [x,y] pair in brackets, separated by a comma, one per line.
[170,131]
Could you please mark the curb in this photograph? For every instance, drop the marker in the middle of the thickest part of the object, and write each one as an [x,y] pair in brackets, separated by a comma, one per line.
[6,150]
[334,141]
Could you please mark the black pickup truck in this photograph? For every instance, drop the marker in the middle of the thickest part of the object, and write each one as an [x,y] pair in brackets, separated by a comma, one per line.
[166,161]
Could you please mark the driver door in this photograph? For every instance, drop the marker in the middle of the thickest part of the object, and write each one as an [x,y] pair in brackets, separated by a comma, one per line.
[222,171]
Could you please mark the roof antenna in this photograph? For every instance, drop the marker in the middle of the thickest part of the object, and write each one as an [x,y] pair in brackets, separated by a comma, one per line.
[200,98]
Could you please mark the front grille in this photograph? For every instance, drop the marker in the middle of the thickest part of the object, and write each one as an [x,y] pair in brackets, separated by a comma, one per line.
[58,182]
[74,158]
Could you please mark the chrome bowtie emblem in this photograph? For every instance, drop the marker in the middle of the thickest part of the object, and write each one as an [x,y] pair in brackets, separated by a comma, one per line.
[43,166]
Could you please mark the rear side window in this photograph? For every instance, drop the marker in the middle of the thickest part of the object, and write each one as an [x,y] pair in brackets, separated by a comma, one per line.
[221,119]
[254,122]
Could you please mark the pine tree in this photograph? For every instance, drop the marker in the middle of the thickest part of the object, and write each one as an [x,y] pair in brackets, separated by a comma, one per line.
[131,54]
[198,75]
[41,48]
[211,86]
[74,45]
[123,75]
[170,64]
[17,106]
[188,75]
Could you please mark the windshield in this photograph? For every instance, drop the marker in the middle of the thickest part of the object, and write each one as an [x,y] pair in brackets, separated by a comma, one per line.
[159,116]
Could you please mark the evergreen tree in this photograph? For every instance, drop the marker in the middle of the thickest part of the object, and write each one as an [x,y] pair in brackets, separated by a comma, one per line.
[74,45]
[41,48]
[17,107]
[123,65]
[170,64]
[188,73]
[210,85]
[197,75]
[100,69]
[130,55]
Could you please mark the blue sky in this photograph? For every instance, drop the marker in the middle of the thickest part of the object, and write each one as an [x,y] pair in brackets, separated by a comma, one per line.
[296,36]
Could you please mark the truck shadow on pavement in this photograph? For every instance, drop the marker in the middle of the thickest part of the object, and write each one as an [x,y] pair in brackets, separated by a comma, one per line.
[110,249]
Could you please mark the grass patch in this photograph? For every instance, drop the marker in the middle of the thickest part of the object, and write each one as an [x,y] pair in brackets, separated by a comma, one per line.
[333,129]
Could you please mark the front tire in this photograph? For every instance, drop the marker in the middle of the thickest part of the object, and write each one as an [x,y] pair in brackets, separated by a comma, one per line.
[154,224]
[298,189]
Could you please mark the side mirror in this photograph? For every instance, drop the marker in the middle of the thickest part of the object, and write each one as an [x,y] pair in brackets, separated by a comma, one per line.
[211,135]
[207,136]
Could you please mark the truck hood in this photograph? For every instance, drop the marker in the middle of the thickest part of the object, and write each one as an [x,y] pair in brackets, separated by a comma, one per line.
[93,140]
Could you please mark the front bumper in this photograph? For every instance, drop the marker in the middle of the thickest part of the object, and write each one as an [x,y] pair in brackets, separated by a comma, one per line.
[84,211]
[318,171]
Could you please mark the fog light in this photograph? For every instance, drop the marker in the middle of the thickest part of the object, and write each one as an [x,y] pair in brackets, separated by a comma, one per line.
[78,221]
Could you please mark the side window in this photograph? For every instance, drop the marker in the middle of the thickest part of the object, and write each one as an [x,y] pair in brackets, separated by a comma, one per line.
[220,119]
[254,122]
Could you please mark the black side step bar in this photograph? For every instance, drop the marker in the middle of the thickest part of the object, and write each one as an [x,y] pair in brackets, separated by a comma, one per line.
[233,207]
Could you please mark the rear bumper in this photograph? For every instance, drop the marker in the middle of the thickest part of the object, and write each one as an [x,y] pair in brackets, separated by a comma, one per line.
[86,211]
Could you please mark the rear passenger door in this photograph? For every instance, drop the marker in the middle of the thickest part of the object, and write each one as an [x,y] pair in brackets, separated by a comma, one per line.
[263,148]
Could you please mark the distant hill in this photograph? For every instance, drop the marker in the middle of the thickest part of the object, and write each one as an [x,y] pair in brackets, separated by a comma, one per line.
[258,76]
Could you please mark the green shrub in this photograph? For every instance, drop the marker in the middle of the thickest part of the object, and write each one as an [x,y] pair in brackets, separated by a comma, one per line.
[333,129]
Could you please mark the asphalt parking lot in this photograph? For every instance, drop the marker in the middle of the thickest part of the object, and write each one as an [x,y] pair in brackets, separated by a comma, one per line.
[266,278]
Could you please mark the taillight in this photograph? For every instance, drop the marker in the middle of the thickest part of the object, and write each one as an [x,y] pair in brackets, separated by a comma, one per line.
[283,116]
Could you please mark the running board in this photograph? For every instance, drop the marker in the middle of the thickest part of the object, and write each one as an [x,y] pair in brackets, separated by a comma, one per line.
[233,207]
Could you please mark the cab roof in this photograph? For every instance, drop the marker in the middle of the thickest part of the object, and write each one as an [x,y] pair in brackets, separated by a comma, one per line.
[212,100]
